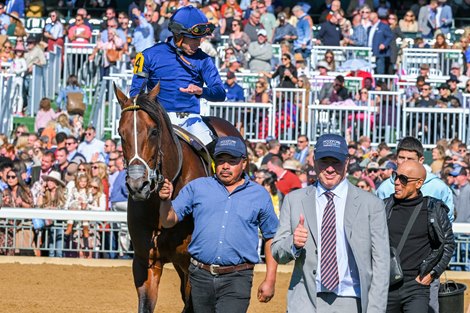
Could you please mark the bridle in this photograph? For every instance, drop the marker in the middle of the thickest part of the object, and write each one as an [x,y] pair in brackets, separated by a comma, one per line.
[136,171]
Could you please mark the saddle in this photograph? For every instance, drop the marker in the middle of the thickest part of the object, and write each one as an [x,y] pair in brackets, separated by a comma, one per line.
[198,147]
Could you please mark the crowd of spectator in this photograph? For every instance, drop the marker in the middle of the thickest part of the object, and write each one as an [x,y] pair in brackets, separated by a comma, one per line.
[62,164]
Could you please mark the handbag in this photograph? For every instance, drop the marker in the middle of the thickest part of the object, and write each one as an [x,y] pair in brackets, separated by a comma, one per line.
[75,104]
[396,272]
[113,55]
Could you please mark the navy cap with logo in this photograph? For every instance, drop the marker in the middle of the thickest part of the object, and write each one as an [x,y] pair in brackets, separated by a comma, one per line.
[231,145]
[331,145]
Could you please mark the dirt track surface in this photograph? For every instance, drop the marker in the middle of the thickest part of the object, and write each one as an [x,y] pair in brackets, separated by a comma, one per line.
[51,288]
[102,286]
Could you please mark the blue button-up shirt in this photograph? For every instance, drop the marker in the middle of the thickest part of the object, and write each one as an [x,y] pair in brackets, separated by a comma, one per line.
[163,64]
[226,224]
[234,93]
[119,191]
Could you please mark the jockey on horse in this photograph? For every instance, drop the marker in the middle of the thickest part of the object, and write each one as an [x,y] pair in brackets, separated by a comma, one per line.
[182,69]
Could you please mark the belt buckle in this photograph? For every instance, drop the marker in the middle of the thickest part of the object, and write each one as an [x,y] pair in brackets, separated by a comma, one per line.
[212,268]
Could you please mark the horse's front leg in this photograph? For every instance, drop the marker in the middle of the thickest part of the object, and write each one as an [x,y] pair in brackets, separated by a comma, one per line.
[147,266]
[149,279]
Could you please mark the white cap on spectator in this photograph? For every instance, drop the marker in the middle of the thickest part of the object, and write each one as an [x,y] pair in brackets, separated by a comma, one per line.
[323,64]
[262,32]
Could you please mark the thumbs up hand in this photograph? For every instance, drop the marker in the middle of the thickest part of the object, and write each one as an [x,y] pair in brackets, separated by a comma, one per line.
[300,234]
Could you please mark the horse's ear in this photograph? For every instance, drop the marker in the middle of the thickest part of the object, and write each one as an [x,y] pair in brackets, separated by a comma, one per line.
[122,98]
[155,91]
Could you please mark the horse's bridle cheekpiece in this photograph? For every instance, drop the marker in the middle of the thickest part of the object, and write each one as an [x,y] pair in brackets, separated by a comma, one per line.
[136,171]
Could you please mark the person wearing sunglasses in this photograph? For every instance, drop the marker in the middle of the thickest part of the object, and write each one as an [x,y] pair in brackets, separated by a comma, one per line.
[17,195]
[91,148]
[336,234]
[373,172]
[410,148]
[429,245]
[54,32]
[185,73]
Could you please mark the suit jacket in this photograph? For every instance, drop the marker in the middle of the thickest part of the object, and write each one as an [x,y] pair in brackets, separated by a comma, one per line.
[366,232]
[446,14]
[426,25]
[383,35]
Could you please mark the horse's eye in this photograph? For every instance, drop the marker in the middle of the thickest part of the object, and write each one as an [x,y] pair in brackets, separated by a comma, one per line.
[154,132]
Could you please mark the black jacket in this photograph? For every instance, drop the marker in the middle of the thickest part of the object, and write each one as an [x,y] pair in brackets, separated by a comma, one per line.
[440,233]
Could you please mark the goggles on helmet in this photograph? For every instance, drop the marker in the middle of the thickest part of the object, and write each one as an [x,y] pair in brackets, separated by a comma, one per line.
[202,29]
[196,30]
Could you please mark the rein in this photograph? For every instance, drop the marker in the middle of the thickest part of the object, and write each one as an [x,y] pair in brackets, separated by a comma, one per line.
[153,175]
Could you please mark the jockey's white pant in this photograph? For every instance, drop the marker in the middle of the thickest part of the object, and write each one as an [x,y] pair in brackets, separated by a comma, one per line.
[193,123]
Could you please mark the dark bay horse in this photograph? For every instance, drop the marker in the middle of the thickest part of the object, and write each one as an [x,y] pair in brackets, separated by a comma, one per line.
[152,153]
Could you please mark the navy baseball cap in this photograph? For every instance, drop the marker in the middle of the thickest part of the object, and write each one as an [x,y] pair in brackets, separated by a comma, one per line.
[231,145]
[331,145]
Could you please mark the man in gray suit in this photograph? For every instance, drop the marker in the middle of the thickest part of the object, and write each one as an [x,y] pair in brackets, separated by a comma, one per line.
[337,234]
[427,19]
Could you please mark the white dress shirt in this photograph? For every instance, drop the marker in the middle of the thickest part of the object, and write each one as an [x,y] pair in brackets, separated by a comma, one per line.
[349,283]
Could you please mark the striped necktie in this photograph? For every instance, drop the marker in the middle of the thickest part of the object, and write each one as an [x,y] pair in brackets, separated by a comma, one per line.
[328,262]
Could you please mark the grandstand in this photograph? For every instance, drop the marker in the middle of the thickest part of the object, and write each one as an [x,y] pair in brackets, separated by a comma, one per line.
[310,116]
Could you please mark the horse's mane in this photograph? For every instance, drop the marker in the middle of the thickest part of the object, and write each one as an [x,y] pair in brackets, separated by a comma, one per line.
[154,109]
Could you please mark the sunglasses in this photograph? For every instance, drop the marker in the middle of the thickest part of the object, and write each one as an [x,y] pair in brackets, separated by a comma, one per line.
[373,170]
[404,180]
[88,134]
[82,170]
[95,167]
[11,177]
[362,186]
[95,187]
[284,58]
[69,143]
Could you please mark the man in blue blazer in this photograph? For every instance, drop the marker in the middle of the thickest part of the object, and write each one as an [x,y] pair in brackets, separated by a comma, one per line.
[338,237]
[379,38]
[444,17]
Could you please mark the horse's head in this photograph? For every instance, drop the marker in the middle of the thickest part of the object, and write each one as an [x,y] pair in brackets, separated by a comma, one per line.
[140,133]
